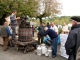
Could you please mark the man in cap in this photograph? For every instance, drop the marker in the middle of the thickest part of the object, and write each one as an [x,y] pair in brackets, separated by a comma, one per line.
[73,41]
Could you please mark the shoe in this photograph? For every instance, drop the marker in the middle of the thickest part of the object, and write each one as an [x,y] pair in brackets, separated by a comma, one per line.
[7,47]
[53,56]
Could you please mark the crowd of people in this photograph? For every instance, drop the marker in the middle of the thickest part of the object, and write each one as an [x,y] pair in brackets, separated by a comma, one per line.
[9,29]
[50,31]
[70,40]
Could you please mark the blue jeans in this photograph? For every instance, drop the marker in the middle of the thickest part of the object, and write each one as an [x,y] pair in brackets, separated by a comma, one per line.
[54,46]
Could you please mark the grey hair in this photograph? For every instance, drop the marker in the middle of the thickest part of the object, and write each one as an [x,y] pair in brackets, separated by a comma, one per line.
[46,28]
[78,22]
[14,11]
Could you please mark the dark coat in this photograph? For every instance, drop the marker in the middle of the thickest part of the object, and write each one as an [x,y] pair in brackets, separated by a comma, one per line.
[41,30]
[73,42]
[78,54]
[52,34]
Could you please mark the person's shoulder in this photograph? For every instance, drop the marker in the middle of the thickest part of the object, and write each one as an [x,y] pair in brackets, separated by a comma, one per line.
[49,29]
[3,26]
[55,26]
[11,15]
[75,30]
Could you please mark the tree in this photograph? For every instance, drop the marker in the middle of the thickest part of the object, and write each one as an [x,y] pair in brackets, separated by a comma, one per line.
[49,8]
[24,7]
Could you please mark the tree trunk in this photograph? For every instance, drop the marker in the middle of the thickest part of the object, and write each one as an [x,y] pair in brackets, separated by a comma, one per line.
[40,20]
[2,20]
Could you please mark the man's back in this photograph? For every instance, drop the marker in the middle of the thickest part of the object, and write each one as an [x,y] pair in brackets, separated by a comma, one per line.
[41,30]
[4,32]
[13,21]
[51,33]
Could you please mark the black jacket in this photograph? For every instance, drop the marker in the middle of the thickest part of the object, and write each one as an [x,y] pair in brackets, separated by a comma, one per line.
[41,30]
[73,42]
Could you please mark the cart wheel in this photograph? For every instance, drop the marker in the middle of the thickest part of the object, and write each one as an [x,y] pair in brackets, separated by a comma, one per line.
[17,47]
[25,51]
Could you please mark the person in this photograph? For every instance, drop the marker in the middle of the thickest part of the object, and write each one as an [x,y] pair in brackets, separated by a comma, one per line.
[5,32]
[73,41]
[13,23]
[48,25]
[65,28]
[7,19]
[33,30]
[41,32]
[54,37]
[47,40]
[54,27]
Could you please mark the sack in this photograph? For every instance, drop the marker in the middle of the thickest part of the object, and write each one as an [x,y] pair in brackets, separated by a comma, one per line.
[48,42]
[46,38]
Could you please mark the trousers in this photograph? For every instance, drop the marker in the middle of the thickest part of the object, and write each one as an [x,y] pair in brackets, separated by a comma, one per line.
[13,32]
[6,40]
[40,37]
[54,46]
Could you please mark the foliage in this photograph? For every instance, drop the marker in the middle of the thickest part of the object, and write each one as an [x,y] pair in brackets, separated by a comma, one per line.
[57,20]
[24,7]
[61,20]
[50,8]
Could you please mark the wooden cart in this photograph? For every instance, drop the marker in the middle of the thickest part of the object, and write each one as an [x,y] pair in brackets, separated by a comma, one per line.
[25,40]
[27,46]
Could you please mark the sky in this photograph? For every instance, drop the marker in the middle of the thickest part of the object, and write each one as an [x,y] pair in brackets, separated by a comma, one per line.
[70,8]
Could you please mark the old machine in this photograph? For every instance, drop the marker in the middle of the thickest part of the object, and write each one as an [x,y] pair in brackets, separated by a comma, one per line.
[25,40]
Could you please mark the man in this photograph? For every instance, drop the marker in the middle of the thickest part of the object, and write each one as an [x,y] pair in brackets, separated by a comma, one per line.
[54,37]
[48,25]
[33,30]
[41,32]
[54,27]
[73,41]
[13,23]
[5,32]
[65,27]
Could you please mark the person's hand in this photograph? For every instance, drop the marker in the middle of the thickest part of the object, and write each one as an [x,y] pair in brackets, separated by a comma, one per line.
[46,36]
[18,18]
[36,32]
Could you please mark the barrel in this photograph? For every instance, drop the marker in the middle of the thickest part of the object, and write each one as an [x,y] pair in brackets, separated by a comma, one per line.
[25,34]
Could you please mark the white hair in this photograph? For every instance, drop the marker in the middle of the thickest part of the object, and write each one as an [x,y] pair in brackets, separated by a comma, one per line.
[78,22]
[46,28]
